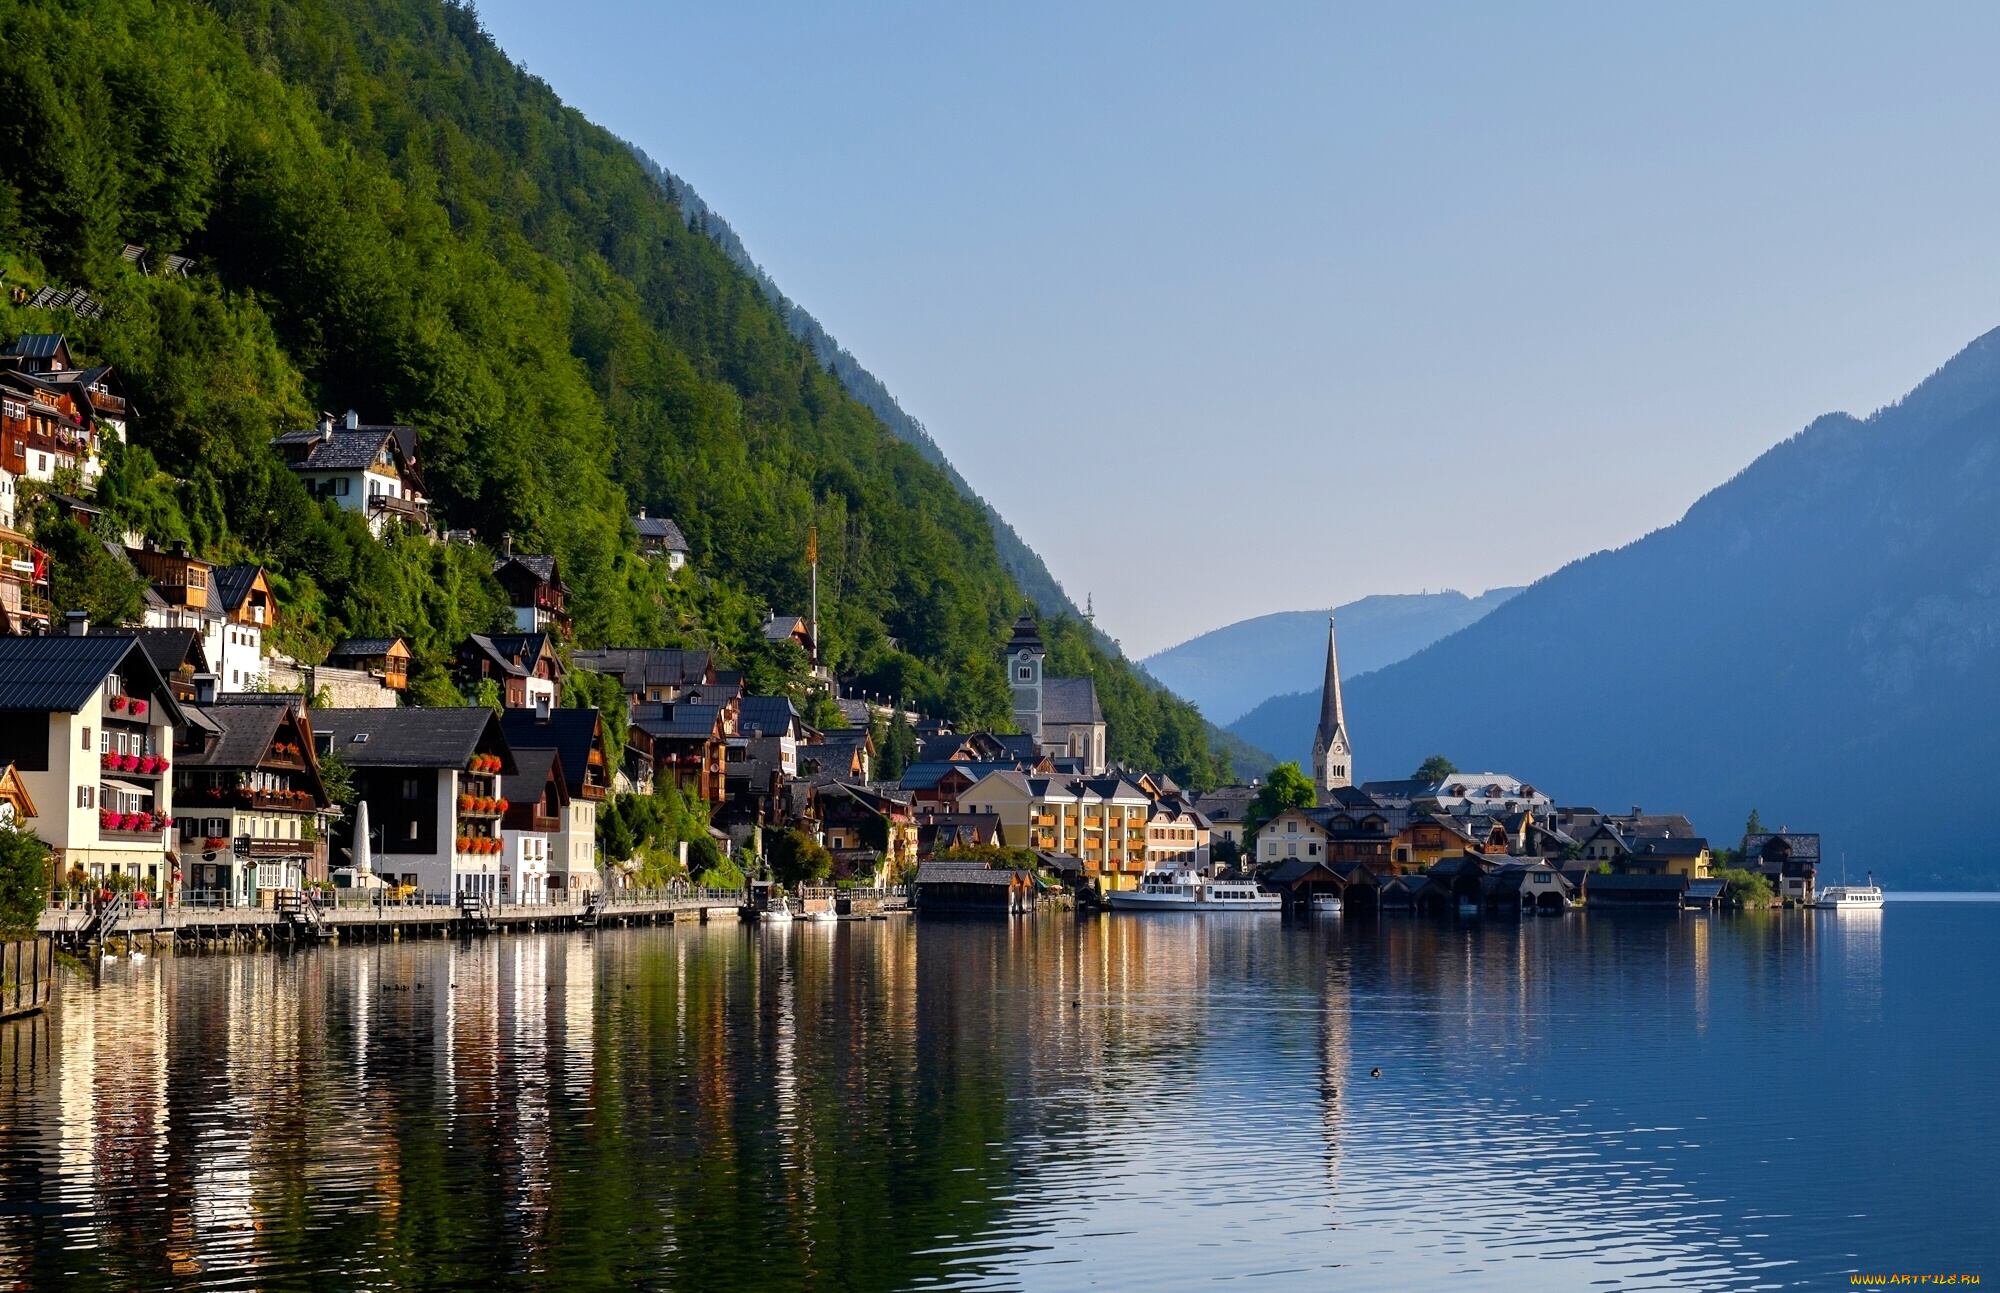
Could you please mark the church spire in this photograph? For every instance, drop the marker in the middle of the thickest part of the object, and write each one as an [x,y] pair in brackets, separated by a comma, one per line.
[1333,764]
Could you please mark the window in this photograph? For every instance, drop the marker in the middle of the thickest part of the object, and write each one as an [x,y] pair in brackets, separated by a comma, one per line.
[412,789]
[1291,828]
[340,486]
[83,795]
[1025,673]
[86,741]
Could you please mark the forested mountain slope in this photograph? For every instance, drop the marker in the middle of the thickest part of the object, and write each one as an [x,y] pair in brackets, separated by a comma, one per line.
[1030,572]
[386,214]
[1818,639]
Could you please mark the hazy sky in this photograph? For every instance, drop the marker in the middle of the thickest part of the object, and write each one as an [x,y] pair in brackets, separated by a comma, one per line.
[1235,309]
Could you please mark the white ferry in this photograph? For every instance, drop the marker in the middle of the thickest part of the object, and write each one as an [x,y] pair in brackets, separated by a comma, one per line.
[1850,897]
[1190,891]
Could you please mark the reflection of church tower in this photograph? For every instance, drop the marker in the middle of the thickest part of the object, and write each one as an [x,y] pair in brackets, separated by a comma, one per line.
[1025,654]
[1333,754]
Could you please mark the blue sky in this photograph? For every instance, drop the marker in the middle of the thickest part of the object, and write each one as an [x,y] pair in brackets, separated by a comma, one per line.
[1238,309]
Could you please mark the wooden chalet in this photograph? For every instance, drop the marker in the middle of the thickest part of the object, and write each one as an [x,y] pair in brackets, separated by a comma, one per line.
[386,658]
[17,807]
[24,585]
[535,590]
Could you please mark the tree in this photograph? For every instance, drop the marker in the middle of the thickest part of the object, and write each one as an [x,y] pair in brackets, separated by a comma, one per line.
[898,749]
[24,880]
[337,777]
[489,695]
[87,578]
[1435,768]
[588,689]
[614,836]
[796,857]
[1755,826]
[1286,787]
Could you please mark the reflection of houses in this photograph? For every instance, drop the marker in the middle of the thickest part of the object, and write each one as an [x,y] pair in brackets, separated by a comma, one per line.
[87,722]
[431,780]
[369,470]
[578,736]
[253,809]
[1789,861]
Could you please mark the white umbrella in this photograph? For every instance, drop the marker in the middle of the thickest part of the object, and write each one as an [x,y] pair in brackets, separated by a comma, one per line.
[363,863]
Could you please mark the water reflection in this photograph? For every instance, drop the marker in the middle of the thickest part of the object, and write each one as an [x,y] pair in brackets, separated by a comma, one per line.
[1045,1103]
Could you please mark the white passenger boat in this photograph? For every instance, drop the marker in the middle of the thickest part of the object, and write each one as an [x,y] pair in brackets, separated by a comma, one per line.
[1850,897]
[1191,891]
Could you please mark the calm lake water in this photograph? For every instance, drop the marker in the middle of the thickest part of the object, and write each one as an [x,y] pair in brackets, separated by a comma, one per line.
[1608,1102]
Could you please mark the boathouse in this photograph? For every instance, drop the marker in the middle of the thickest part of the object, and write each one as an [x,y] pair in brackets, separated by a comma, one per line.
[1657,892]
[969,888]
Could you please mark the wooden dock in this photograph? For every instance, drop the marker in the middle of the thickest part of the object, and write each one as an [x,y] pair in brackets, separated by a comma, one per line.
[294,923]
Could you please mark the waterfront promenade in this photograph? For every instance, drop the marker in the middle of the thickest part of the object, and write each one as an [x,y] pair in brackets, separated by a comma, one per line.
[353,921]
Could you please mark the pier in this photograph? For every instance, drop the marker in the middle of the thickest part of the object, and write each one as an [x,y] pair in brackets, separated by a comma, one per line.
[294,921]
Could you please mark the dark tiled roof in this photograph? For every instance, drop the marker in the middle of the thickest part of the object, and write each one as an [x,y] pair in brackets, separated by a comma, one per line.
[1295,869]
[567,731]
[246,731]
[1694,846]
[58,674]
[661,529]
[529,646]
[411,738]
[772,715]
[480,644]
[168,649]
[1070,700]
[339,449]
[232,584]
[540,565]
[362,648]
[1027,636]
[780,627]
[646,666]
[676,720]
[527,784]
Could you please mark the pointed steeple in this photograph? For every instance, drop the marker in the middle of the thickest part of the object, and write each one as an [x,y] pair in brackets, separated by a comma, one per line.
[1333,754]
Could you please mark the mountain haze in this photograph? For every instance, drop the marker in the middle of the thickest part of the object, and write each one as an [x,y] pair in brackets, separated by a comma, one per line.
[1228,671]
[1818,639]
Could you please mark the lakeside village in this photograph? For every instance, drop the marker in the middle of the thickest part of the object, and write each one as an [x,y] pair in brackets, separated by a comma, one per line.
[178,762]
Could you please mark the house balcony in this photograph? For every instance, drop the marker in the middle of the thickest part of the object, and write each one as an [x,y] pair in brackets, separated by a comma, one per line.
[144,766]
[283,801]
[398,508]
[480,808]
[268,849]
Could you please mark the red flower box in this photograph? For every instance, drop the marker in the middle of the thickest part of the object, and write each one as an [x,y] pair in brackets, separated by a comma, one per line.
[118,703]
[108,762]
[138,708]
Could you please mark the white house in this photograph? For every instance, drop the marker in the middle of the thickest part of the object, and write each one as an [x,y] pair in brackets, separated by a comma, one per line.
[87,721]
[371,470]
[537,803]
[578,736]
[431,779]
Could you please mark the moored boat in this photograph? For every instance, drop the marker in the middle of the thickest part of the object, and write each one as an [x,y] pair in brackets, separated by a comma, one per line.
[1850,897]
[1191,891]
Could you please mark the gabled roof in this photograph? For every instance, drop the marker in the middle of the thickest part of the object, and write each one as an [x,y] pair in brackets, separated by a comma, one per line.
[1675,847]
[539,565]
[676,719]
[569,732]
[531,777]
[413,738]
[344,448]
[1295,869]
[1070,700]
[639,667]
[39,345]
[367,648]
[231,584]
[245,725]
[168,649]
[955,872]
[772,715]
[478,644]
[60,674]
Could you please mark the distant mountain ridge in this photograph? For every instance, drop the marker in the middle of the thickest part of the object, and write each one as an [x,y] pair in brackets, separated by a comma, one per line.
[1229,670]
[1818,639]
[1030,572]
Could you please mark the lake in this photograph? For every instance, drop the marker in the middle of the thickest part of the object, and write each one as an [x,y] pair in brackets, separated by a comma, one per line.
[1767,1100]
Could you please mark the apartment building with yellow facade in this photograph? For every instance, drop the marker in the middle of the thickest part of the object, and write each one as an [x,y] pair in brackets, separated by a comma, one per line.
[1101,821]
